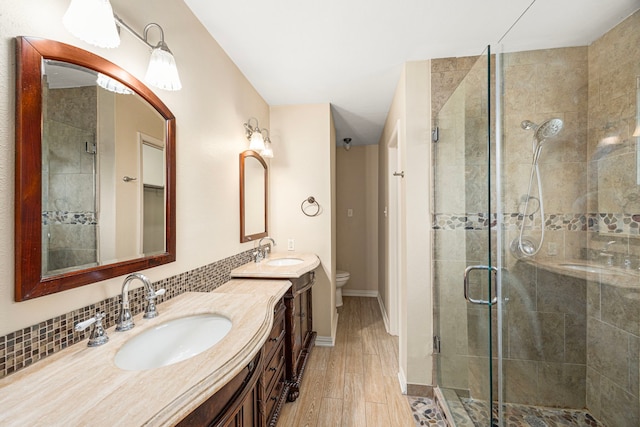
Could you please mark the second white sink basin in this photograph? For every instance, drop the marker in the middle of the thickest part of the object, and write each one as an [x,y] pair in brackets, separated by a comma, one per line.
[172,342]
[283,262]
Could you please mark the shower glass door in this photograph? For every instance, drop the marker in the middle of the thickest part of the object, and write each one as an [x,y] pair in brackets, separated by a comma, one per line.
[464,234]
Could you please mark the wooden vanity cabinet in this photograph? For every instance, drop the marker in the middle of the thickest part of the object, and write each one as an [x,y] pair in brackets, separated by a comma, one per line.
[301,337]
[255,396]
[273,384]
[234,405]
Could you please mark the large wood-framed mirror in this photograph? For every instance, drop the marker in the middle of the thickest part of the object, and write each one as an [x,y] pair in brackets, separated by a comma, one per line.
[253,196]
[95,171]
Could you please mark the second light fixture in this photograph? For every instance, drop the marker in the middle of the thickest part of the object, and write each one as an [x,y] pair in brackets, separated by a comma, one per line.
[258,138]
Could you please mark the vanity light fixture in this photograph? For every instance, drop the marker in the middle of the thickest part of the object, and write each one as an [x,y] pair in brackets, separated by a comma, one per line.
[94,22]
[268,151]
[254,135]
[611,135]
[112,85]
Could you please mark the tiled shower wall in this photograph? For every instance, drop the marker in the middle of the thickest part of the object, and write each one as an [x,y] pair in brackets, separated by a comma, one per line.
[68,217]
[569,342]
[613,312]
[21,348]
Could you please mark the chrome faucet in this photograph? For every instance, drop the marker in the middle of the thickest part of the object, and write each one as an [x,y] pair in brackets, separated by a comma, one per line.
[262,253]
[605,253]
[125,319]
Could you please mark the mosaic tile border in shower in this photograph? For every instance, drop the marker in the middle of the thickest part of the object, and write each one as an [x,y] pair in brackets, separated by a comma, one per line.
[26,346]
[64,217]
[618,223]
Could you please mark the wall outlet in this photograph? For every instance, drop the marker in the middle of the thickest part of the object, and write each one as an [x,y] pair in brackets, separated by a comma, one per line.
[349,213]
[291,246]
[552,248]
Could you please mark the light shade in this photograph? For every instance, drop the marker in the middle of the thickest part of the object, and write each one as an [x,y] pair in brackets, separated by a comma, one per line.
[267,152]
[112,85]
[257,141]
[92,21]
[162,71]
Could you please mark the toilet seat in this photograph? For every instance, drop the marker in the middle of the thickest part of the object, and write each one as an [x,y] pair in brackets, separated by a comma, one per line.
[341,274]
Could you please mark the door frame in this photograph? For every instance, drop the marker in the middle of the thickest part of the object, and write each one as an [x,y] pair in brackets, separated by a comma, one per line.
[394,234]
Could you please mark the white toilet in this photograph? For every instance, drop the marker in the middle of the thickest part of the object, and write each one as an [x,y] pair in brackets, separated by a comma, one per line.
[342,277]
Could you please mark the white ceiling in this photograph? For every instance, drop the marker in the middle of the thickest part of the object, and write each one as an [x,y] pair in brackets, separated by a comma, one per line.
[350,52]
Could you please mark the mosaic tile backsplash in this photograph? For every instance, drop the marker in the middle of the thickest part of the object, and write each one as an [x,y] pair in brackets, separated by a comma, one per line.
[24,347]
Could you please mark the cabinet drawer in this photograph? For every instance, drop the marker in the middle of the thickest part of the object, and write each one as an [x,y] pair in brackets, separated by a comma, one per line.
[274,395]
[276,336]
[273,367]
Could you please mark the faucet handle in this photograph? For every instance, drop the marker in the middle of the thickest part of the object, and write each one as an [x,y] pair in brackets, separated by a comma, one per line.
[151,310]
[98,334]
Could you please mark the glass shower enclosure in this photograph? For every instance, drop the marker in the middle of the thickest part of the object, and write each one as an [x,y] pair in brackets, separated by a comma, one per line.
[537,257]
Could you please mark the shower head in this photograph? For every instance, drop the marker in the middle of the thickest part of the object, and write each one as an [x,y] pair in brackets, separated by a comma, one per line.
[548,129]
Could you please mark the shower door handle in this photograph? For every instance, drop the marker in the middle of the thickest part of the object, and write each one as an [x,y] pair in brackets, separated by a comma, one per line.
[467,272]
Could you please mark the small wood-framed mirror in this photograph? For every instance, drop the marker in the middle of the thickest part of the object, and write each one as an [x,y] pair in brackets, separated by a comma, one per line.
[253,196]
[82,145]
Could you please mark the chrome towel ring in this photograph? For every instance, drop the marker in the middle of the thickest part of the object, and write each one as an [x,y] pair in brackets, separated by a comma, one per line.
[310,201]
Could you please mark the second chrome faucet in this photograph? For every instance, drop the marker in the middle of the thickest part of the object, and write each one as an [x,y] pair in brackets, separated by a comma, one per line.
[263,252]
[125,319]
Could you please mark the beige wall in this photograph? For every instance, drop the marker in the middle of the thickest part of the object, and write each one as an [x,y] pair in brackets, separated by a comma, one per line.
[215,101]
[411,108]
[133,115]
[304,165]
[357,236]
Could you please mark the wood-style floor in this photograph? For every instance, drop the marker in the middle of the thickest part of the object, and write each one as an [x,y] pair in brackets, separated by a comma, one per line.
[354,383]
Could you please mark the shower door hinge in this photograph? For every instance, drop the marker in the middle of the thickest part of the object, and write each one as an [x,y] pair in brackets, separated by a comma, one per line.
[436,344]
[435,134]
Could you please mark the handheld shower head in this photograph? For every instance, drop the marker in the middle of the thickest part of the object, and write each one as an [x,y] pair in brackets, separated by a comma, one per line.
[546,130]
[549,129]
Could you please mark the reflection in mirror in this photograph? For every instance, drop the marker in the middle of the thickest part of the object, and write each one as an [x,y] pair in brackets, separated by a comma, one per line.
[95,171]
[81,162]
[253,196]
[153,197]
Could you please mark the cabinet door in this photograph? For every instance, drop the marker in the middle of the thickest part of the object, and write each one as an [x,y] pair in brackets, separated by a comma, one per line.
[304,316]
[248,416]
[297,332]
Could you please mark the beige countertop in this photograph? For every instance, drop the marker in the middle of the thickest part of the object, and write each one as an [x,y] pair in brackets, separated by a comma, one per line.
[263,269]
[82,386]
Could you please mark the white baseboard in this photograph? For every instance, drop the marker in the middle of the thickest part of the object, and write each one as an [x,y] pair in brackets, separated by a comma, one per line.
[358,293]
[328,341]
[385,317]
[324,341]
[403,381]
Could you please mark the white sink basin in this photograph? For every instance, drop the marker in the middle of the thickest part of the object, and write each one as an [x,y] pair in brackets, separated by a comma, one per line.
[283,262]
[587,268]
[172,342]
